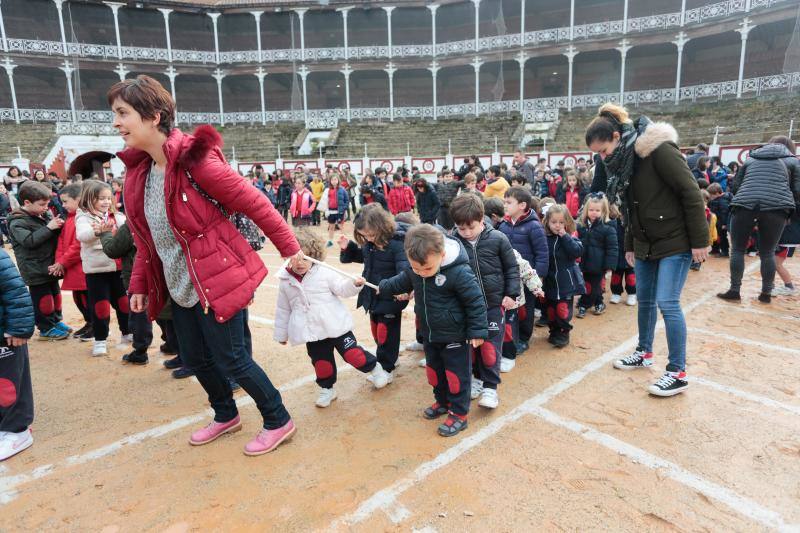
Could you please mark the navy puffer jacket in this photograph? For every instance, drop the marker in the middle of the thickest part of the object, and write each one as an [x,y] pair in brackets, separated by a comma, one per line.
[16,308]
[379,265]
[427,202]
[600,247]
[768,181]
[527,237]
[449,305]
[564,280]
[495,266]
[619,228]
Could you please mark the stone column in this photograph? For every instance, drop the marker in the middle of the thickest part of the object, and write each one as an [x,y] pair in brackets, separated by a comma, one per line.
[3,31]
[345,11]
[219,75]
[521,59]
[66,67]
[389,10]
[172,74]
[10,66]
[477,18]
[302,13]
[680,42]
[304,72]
[434,68]
[214,17]
[571,19]
[121,71]
[390,70]
[476,64]
[257,16]
[346,71]
[115,11]
[571,52]
[433,8]
[260,74]
[165,13]
[60,7]
[744,30]
[623,48]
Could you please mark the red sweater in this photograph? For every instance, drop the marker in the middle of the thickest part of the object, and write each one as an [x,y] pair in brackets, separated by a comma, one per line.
[401,199]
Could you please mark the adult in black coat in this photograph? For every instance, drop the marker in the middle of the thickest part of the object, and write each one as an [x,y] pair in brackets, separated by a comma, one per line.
[427,201]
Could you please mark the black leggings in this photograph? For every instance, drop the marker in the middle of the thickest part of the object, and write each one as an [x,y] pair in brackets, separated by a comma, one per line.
[770,227]
[106,291]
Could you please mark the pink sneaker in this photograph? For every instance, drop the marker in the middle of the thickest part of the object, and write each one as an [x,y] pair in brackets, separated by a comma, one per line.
[269,439]
[214,430]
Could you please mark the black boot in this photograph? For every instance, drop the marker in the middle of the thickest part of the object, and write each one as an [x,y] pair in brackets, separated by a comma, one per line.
[135,358]
[731,295]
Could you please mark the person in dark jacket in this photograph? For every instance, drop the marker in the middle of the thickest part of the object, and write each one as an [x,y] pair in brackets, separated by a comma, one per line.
[622,271]
[16,327]
[447,191]
[371,193]
[492,259]
[564,279]
[379,246]
[700,151]
[665,230]
[34,234]
[452,315]
[720,205]
[427,201]
[766,192]
[600,251]
[526,235]
[284,197]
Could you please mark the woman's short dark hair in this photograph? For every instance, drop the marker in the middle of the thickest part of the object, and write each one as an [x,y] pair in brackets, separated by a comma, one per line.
[148,97]
[786,141]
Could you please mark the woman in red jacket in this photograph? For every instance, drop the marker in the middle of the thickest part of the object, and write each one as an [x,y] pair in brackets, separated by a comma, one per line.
[190,252]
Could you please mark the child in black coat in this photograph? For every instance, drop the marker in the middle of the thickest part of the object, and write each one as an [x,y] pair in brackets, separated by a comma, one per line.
[564,279]
[600,251]
[720,205]
[622,272]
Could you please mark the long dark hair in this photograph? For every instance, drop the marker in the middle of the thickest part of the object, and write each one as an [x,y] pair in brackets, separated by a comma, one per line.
[609,119]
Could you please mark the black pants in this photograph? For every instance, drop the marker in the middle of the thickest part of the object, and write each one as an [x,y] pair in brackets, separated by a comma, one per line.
[46,305]
[559,314]
[142,330]
[81,299]
[386,332]
[215,350]
[449,369]
[486,359]
[16,394]
[526,316]
[168,335]
[594,289]
[722,245]
[770,227]
[315,217]
[321,353]
[511,334]
[106,291]
[628,276]
[444,217]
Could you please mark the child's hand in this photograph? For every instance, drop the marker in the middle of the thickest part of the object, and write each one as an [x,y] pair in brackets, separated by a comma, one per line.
[476,343]
[404,297]
[16,341]
[55,223]
[56,269]
[508,303]
[359,282]
[538,293]
[342,241]
[562,231]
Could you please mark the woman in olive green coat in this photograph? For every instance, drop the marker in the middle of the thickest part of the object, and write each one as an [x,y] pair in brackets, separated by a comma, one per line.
[665,228]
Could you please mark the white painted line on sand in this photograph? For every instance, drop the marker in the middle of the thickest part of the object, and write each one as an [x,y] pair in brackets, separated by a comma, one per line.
[741,504]
[387,498]
[741,340]
[749,396]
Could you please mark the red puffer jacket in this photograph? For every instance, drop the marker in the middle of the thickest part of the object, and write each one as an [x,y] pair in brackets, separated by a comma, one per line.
[224,269]
[68,253]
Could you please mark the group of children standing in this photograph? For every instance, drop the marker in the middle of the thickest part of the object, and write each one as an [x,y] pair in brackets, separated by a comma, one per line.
[476,291]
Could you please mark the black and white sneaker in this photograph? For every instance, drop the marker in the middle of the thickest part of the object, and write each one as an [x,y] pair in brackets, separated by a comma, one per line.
[670,384]
[581,312]
[599,309]
[638,359]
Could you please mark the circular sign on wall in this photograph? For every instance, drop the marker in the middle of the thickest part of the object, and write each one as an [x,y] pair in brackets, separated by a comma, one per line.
[428,165]
[388,165]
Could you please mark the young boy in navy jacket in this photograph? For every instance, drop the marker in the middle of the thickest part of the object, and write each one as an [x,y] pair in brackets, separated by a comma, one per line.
[526,234]
[492,259]
[452,315]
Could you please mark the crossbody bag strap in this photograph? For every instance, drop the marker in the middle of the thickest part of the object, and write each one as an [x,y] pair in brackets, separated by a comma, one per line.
[205,195]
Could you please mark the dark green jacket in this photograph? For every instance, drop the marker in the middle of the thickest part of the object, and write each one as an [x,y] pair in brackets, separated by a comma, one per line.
[667,213]
[34,245]
[120,246]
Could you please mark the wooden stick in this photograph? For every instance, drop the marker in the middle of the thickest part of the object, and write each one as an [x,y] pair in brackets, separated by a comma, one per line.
[342,272]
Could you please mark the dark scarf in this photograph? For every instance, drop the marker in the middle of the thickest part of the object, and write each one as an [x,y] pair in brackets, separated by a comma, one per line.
[620,164]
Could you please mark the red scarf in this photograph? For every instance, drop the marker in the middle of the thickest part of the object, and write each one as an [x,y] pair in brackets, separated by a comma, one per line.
[333,199]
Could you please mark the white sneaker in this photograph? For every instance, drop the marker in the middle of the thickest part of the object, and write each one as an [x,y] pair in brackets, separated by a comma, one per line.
[380,377]
[537,313]
[476,390]
[783,291]
[99,349]
[423,363]
[751,254]
[125,341]
[507,365]
[615,299]
[489,399]
[413,346]
[631,300]
[326,396]
[13,443]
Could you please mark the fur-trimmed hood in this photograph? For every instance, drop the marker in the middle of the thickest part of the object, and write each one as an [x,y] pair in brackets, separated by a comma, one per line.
[652,135]
[186,150]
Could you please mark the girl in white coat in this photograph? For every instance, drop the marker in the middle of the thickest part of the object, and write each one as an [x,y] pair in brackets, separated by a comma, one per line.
[103,279]
[309,311]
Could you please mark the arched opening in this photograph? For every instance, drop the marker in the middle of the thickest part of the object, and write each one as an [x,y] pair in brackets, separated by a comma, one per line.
[711,59]
[412,88]
[455,85]
[369,88]
[651,66]
[41,88]
[240,93]
[237,31]
[596,72]
[325,90]
[197,93]
[142,27]
[546,77]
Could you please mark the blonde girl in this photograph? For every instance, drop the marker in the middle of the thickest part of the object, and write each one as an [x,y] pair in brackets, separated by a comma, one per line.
[600,251]
[103,279]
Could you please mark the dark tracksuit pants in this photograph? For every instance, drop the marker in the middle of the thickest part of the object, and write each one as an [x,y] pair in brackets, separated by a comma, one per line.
[16,394]
[511,334]
[46,305]
[628,276]
[449,369]
[486,359]
[386,332]
[594,289]
[526,317]
[321,353]
[559,314]
[106,291]
[81,299]
[142,330]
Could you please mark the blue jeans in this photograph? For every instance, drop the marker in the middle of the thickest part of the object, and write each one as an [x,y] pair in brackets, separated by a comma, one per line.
[660,282]
[214,351]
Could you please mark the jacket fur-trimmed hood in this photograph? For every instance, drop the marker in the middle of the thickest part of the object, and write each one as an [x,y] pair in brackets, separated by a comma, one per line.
[191,148]
[654,135]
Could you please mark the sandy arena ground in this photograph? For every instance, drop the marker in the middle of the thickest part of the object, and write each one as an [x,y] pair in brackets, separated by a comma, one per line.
[574,445]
